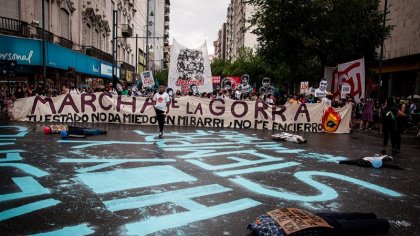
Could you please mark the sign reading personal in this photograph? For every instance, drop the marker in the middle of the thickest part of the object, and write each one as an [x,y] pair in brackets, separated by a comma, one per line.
[184,111]
[292,220]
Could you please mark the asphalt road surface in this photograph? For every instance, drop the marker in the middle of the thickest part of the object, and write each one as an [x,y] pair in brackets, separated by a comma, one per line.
[193,181]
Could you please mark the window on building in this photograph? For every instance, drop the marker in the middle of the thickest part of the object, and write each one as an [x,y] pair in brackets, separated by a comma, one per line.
[119,16]
[65,24]
[10,9]
[97,39]
[103,43]
[87,35]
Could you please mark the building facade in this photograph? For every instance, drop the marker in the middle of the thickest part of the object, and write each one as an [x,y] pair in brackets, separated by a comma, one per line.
[220,44]
[75,32]
[159,29]
[236,33]
[401,51]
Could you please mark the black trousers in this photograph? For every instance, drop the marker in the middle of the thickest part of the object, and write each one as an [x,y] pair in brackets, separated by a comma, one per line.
[395,137]
[354,223]
[160,117]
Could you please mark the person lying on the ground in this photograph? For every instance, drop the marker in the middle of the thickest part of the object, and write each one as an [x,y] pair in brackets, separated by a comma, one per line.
[377,161]
[71,130]
[294,138]
[298,222]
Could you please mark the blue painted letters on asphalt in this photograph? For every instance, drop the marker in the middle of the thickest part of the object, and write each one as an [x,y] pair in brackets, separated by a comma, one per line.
[327,193]
[116,180]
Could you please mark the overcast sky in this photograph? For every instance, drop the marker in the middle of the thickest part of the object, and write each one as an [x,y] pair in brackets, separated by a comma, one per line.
[194,21]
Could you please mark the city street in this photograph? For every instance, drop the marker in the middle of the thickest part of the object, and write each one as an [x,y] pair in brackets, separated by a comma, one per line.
[193,181]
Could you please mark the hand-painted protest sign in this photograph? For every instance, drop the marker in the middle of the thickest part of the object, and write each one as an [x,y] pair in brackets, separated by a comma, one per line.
[185,111]
[304,87]
[147,79]
[189,67]
[292,220]
[350,74]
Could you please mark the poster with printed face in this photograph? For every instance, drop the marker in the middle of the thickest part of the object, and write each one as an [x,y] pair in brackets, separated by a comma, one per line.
[189,67]
[321,91]
[147,79]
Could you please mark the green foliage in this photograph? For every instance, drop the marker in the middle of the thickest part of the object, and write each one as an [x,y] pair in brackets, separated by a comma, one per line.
[302,36]
[161,77]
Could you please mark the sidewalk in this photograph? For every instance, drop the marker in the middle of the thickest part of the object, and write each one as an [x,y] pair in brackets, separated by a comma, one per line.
[409,138]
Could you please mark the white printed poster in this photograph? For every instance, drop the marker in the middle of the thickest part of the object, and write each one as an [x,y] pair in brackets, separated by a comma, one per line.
[147,78]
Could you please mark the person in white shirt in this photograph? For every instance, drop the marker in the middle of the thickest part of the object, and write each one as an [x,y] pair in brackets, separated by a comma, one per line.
[161,103]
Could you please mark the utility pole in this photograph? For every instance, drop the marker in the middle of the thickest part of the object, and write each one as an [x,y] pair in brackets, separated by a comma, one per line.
[147,36]
[114,44]
[137,58]
[381,56]
[44,68]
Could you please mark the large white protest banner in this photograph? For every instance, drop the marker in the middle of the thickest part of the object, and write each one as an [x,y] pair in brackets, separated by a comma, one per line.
[189,67]
[184,111]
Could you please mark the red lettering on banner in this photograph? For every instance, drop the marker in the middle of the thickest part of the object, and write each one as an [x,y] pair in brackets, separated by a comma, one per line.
[148,102]
[43,101]
[355,88]
[68,101]
[87,102]
[181,82]
[303,109]
[101,104]
[220,108]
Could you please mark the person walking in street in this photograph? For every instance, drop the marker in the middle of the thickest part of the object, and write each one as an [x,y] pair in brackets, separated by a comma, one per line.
[390,127]
[161,103]
[367,114]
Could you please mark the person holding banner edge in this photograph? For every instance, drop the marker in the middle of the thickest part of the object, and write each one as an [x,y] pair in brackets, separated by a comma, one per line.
[161,103]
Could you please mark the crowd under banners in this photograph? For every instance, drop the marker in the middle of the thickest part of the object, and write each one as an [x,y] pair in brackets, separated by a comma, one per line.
[350,75]
[189,67]
[185,111]
[147,79]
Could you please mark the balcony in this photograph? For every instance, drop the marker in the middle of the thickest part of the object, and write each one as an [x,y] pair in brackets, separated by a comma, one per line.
[65,43]
[167,16]
[166,42]
[127,66]
[166,25]
[94,52]
[49,37]
[126,30]
[13,27]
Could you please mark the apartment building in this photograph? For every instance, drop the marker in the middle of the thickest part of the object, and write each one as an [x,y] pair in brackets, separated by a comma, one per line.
[78,39]
[235,33]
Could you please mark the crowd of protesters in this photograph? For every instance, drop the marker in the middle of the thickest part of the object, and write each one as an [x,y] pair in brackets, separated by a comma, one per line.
[366,113]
